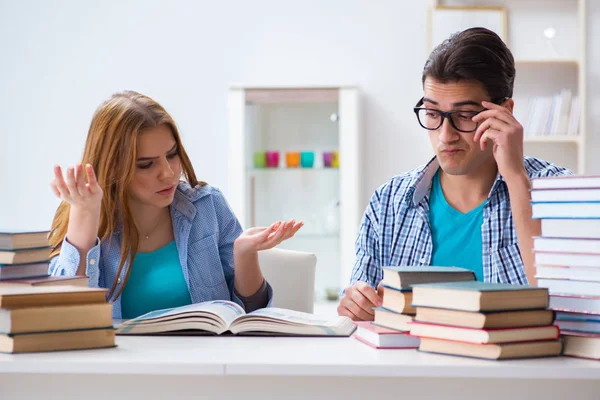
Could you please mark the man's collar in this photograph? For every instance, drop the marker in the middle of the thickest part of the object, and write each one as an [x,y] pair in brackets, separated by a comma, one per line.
[420,184]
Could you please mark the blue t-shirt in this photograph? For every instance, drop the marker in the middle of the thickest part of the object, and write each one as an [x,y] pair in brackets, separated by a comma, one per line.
[456,236]
[155,282]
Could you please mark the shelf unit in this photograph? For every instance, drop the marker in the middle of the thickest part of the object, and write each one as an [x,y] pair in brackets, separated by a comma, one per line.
[545,67]
[287,119]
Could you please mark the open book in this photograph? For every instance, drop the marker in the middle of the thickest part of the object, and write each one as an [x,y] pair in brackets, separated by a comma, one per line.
[220,316]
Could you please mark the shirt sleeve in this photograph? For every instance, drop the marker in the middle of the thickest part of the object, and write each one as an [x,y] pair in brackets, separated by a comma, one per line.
[551,170]
[67,262]
[260,299]
[367,267]
[229,230]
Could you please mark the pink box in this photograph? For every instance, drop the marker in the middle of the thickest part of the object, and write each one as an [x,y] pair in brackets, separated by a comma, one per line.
[272,159]
[327,158]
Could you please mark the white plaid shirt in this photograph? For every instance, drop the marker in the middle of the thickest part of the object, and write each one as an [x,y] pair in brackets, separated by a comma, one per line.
[395,226]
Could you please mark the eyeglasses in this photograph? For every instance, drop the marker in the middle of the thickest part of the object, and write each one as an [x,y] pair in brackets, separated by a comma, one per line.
[432,119]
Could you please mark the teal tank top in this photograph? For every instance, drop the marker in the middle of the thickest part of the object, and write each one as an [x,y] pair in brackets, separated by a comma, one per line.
[155,282]
[456,236]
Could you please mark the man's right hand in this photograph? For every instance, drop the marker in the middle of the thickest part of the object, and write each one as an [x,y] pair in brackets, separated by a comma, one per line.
[358,302]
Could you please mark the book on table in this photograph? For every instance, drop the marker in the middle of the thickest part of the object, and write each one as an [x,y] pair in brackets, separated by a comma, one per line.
[23,271]
[579,287]
[397,300]
[55,318]
[575,303]
[574,228]
[487,320]
[403,278]
[544,348]
[24,256]
[558,258]
[58,340]
[567,273]
[566,182]
[566,245]
[391,319]
[51,318]
[484,336]
[383,338]
[24,296]
[14,240]
[81,281]
[222,317]
[581,345]
[480,296]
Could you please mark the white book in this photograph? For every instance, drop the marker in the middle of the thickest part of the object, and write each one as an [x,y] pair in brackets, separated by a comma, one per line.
[575,303]
[221,316]
[584,288]
[571,228]
[568,259]
[554,115]
[563,124]
[571,273]
[566,182]
[566,210]
[574,117]
[565,195]
[566,245]
[579,326]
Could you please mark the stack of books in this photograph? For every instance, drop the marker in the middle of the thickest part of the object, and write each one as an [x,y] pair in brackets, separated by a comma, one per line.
[392,320]
[567,257]
[24,259]
[24,255]
[485,320]
[50,318]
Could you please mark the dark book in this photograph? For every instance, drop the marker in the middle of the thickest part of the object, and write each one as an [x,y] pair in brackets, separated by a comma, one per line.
[404,277]
[23,240]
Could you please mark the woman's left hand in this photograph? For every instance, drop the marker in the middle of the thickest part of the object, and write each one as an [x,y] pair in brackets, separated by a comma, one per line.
[256,239]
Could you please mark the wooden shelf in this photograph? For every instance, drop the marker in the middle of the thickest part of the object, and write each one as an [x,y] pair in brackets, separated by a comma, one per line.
[286,170]
[548,61]
[552,139]
[279,96]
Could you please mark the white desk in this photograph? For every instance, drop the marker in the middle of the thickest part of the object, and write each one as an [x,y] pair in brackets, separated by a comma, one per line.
[261,368]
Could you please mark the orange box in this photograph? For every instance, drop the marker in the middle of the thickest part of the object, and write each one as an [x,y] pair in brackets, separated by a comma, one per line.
[292,159]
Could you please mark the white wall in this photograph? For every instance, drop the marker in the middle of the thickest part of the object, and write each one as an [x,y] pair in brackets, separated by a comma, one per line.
[60,59]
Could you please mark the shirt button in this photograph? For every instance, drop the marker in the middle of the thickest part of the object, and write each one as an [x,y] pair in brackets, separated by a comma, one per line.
[92,261]
[422,261]
[119,280]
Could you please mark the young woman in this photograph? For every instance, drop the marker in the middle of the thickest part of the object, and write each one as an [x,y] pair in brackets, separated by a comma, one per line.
[132,224]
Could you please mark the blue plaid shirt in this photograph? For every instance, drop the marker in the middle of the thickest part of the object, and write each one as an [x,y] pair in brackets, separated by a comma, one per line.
[395,226]
[205,229]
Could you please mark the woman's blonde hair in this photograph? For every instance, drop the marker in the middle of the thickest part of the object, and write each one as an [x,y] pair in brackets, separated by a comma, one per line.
[111,148]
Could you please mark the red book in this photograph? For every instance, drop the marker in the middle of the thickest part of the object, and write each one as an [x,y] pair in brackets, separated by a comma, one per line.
[384,338]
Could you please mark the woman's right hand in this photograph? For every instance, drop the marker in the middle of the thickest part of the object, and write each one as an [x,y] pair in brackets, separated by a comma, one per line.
[85,197]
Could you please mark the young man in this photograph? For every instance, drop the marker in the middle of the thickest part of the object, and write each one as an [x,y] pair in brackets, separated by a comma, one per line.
[470,205]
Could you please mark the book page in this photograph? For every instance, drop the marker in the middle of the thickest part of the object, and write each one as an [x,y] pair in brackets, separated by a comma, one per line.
[292,316]
[193,316]
[283,321]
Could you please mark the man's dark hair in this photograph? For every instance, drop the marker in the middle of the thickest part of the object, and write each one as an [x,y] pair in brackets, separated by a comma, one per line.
[475,54]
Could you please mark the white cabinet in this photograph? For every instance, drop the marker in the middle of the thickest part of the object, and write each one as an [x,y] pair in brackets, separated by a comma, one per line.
[307,122]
